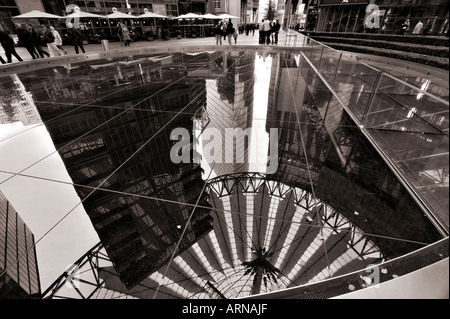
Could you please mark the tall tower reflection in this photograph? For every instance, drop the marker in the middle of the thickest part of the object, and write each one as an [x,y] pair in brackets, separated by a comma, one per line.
[115,143]
[230,109]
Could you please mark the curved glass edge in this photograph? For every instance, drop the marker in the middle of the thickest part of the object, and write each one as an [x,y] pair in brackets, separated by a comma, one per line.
[409,126]
[369,277]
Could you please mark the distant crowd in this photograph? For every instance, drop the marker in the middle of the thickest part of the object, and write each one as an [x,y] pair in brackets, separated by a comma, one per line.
[268,31]
[40,42]
[45,41]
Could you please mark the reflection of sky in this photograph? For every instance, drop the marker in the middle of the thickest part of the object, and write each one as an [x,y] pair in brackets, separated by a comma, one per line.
[41,201]
[260,138]
[259,143]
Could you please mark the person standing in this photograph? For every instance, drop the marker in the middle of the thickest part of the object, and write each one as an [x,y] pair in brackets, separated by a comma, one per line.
[405,27]
[276,31]
[218,33]
[8,44]
[262,36]
[26,39]
[427,28]
[418,28]
[58,40]
[267,31]
[125,34]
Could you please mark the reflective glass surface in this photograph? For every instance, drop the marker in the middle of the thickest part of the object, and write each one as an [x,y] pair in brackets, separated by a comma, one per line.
[222,174]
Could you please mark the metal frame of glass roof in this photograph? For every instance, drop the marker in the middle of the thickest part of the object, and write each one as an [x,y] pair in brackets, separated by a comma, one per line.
[329,221]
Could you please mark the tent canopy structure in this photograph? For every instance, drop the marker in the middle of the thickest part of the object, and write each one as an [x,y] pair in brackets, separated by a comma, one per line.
[211,16]
[189,16]
[36,14]
[82,14]
[227,16]
[120,15]
[151,15]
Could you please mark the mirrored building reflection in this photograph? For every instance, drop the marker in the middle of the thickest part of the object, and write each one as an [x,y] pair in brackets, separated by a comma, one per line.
[208,226]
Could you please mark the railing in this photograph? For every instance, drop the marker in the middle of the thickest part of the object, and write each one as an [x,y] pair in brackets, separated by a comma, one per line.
[372,276]
[407,125]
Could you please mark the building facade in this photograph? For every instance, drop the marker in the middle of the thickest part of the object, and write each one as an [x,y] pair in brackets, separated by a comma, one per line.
[351,15]
[19,275]
[16,103]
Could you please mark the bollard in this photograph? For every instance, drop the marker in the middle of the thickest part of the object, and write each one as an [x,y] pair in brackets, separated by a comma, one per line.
[105,45]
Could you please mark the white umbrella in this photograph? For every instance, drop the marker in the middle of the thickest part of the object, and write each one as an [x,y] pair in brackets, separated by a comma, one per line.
[36,14]
[227,16]
[211,16]
[81,14]
[120,15]
[189,16]
[151,15]
[78,14]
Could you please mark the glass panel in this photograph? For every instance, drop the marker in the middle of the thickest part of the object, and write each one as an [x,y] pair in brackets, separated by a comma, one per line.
[329,64]
[316,54]
[146,141]
[354,85]
[386,113]
[430,109]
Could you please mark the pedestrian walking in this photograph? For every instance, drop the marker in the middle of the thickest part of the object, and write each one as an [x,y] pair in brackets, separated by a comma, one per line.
[8,45]
[38,42]
[26,39]
[218,33]
[49,39]
[418,28]
[124,33]
[58,40]
[76,37]
[224,30]
[230,32]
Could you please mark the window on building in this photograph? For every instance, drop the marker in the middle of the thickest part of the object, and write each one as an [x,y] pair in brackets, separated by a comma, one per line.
[217,4]
[172,10]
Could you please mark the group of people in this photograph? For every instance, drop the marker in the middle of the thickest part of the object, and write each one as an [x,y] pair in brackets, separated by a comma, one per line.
[226,31]
[419,28]
[40,43]
[268,32]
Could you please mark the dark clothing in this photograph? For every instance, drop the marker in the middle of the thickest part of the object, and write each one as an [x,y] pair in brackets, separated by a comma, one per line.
[77,40]
[218,29]
[8,44]
[26,39]
[427,28]
[276,30]
[48,37]
[230,29]
[2,61]
[37,40]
